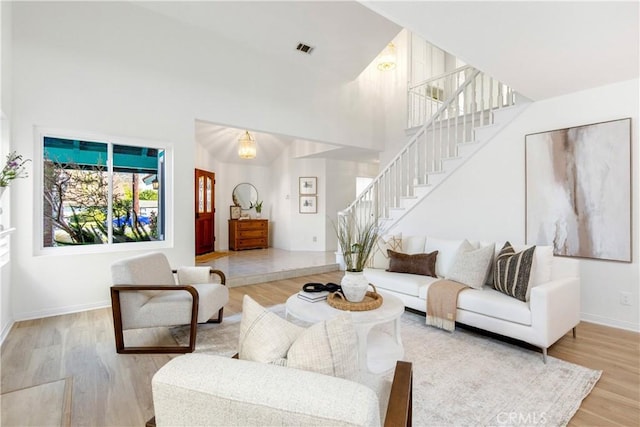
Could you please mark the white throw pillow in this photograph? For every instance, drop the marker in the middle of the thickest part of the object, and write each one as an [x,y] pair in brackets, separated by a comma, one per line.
[380,258]
[413,245]
[264,336]
[329,348]
[471,266]
[541,270]
[541,267]
[447,251]
[193,275]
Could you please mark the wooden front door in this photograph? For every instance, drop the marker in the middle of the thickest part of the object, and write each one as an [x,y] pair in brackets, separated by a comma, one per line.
[205,210]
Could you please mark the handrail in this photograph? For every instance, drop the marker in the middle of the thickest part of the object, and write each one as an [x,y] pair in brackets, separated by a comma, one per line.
[424,98]
[438,137]
[441,76]
[413,139]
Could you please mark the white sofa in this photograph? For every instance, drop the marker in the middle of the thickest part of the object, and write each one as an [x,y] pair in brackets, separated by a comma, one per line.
[551,311]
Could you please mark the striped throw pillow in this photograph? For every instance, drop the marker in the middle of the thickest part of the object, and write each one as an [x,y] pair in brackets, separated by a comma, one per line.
[512,271]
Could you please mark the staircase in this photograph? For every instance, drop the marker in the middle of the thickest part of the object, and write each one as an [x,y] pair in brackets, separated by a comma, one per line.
[446,134]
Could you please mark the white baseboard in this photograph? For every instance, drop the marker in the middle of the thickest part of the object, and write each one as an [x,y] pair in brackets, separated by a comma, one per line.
[606,321]
[62,310]
[6,331]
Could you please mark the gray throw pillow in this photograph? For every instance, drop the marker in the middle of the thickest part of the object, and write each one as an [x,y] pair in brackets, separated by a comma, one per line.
[471,266]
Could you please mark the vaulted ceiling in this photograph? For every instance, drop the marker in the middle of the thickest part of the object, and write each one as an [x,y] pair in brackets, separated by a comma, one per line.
[345,35]
[542,49]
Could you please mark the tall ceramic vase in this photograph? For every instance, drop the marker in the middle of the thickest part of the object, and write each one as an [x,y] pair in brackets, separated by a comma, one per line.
[354,286]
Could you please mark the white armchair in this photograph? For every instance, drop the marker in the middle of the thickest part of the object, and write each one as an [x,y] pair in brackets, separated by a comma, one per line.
[146,294]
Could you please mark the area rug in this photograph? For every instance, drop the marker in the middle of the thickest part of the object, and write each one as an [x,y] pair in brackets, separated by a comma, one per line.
[461,378]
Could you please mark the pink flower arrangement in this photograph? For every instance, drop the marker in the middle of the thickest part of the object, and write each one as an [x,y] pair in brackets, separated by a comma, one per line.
[13,169]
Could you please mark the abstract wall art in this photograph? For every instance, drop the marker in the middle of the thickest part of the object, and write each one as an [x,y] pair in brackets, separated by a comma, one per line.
[578,190]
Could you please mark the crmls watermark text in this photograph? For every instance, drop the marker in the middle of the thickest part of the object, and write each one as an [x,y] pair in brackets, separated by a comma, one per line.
[519,418]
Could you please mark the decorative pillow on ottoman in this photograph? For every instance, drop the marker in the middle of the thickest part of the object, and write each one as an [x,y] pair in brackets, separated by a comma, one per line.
[329,347]
[512,271]
[264,336]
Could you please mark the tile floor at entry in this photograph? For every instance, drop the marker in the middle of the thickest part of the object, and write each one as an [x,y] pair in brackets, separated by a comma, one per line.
[264,265]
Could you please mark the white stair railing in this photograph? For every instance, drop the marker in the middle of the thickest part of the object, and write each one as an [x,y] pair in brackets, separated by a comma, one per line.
[468,106]
[426,97]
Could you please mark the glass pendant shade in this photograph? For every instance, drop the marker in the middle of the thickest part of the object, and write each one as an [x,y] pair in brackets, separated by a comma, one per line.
[387,59]
[247,148]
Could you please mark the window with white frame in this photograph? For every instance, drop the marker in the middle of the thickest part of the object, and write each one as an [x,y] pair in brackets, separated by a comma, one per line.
[101,193]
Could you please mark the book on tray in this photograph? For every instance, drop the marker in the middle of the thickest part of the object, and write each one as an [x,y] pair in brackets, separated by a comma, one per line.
[313,296]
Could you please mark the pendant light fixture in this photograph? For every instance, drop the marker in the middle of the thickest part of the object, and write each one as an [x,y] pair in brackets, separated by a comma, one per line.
[247,148]
[387,59]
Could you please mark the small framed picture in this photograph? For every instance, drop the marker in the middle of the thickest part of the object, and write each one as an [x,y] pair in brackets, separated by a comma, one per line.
[308,204]
[308,184]
[234,212]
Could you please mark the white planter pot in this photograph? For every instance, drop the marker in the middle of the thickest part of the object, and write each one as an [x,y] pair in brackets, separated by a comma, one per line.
[354,286]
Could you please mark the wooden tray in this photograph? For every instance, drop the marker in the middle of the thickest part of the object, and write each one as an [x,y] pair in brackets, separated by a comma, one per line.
[371,301]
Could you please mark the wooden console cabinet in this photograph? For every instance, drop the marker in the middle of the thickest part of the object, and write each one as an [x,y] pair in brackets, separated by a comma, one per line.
[248,234]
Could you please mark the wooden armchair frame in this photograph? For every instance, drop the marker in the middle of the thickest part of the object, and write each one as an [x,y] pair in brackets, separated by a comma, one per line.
[400,404]
[401,397]
[117,316]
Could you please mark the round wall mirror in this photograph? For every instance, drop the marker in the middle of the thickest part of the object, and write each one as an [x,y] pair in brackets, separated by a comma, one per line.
[244,195]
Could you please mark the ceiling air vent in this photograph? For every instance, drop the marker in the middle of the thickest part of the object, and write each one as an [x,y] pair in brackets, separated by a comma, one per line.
[304,48]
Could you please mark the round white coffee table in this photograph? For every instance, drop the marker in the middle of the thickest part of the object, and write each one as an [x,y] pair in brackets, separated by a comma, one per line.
[378,350]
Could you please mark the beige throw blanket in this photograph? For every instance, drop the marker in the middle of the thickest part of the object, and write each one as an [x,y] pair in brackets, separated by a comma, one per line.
[442,300]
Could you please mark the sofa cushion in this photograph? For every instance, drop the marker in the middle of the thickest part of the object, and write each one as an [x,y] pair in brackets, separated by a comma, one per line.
[423,264]
[379,257]
[471,266]
[408,284]
[413,244]
[492,303]
[512,271]
[447,251]
[489,302]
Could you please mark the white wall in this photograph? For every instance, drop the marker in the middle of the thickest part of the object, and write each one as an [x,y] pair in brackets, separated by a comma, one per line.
[341,191]
[116,69]
[392,90]
[6,313]
[485,200]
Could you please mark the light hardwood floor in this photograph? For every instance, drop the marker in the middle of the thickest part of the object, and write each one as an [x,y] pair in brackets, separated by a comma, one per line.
[107,389]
